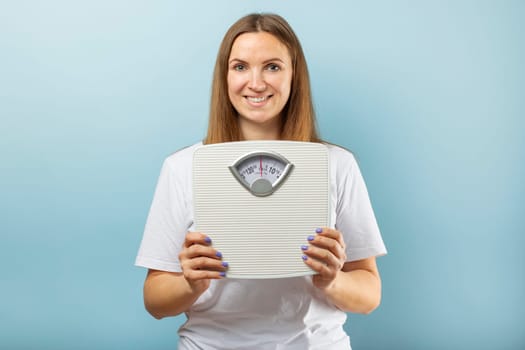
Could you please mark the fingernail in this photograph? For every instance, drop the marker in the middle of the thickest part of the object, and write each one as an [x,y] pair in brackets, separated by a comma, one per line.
[318,230]
[218,254]
[304,247]
[305,257]
[222,273]
[207,239]
[225,264]
[311,238]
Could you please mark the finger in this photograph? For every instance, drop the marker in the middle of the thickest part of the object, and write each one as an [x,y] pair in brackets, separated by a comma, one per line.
[323,256]
[204,263]
[329,244]
[198,250]
[195,275]
[196,238]
[325,271]
[331,233]
[203,268]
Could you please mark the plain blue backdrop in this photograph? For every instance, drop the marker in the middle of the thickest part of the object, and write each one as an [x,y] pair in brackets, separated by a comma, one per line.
[428,94]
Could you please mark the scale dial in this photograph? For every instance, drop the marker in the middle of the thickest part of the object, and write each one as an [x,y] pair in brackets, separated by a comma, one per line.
[261,173]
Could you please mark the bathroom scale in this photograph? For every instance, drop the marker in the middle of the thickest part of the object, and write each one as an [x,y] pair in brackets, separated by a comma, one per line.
[259,201]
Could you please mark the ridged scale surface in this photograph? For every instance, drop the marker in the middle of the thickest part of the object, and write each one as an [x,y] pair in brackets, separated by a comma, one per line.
[261,237]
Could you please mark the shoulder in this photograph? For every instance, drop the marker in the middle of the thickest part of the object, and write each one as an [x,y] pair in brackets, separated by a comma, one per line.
[183,156]
[340,157]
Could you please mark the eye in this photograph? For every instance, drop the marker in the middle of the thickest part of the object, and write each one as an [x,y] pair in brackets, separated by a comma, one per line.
[239,67]
[272,67]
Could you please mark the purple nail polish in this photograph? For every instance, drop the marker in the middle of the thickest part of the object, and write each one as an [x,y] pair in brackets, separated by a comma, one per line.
[222,273]
[305,257]
[311,238]
[207,240]
[304,247]
[318,230]
[224,264]
[218,254]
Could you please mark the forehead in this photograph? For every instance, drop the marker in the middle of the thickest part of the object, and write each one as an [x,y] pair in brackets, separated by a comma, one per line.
[258,46]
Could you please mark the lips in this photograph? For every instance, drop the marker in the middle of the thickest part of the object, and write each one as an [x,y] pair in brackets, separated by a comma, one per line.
[258,100]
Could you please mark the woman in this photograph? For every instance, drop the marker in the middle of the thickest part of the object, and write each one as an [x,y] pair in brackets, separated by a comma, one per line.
[261,91]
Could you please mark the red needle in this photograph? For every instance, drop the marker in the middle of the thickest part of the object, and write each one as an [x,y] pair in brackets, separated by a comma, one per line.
[260,163]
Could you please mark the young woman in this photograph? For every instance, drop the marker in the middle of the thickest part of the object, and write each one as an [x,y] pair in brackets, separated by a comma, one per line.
[261,91]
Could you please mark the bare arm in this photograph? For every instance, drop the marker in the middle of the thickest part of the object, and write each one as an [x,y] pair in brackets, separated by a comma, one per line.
[351,286]
[168,293]
[357,287]
[171,293]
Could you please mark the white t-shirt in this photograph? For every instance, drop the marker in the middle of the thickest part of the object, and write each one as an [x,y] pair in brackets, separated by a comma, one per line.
[287,313]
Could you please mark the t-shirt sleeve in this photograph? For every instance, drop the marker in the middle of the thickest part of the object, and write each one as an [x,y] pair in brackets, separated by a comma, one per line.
[354,214]
[167,222]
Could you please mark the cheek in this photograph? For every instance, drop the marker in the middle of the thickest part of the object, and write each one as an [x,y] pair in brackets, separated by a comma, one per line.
[234,84]
[285,86]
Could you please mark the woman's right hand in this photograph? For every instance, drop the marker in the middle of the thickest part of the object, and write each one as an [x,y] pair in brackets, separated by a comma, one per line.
[201,262]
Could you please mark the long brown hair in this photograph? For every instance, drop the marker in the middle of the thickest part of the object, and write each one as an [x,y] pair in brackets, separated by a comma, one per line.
[298,115]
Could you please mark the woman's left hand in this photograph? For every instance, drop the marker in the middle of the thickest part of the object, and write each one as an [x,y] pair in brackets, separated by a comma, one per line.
[326,255]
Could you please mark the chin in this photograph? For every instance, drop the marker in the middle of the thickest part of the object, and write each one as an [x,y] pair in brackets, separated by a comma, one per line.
[262,120]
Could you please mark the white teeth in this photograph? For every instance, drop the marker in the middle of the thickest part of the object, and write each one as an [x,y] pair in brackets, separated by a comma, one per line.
[256,99]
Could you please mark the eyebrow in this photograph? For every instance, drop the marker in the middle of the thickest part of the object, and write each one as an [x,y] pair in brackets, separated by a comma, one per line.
[264,62]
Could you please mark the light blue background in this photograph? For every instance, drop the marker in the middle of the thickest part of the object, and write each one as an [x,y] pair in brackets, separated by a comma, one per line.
[428,94]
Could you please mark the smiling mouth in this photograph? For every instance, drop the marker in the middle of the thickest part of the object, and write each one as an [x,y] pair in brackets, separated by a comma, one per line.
[258,99]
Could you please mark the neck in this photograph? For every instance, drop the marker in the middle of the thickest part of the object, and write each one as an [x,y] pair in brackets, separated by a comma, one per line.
[254,131]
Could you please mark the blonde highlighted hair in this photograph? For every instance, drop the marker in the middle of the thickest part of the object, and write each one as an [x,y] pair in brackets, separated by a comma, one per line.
[297,116]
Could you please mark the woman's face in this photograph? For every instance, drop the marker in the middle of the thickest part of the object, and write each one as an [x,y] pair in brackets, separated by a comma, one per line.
[259,81]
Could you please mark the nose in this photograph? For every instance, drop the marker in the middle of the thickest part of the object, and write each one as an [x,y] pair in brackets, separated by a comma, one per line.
[257,82]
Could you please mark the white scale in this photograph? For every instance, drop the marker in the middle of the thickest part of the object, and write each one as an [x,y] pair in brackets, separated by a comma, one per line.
[259,201]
